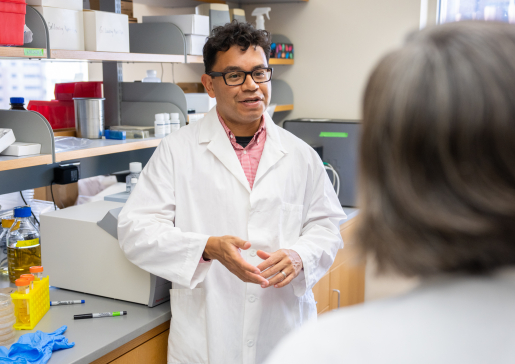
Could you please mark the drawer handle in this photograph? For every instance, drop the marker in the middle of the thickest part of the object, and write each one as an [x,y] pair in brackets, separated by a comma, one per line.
[337,291]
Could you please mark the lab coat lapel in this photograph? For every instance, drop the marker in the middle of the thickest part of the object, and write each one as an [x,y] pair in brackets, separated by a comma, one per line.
[273,151]
[212,132]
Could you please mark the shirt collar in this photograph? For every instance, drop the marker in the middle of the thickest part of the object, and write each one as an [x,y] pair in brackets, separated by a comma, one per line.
[230,134]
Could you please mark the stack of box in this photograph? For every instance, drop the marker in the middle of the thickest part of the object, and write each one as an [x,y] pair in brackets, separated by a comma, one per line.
[195,28]
[12,20]
[127,8]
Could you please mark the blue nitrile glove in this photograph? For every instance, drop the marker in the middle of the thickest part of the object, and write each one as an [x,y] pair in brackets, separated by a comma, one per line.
[35,348]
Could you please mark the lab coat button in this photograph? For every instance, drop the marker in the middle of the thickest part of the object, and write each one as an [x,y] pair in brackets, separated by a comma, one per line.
[250,343]
[252,252]
[252,298]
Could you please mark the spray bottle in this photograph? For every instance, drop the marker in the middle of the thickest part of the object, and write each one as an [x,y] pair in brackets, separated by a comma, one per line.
[260,18]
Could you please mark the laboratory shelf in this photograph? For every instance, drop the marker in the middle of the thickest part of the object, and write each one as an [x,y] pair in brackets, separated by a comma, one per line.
[280,108]
[8,162]
[98,147]
[15,52]
[193,3]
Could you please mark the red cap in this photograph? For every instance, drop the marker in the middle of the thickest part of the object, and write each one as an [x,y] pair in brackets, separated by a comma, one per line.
[36,269]
[21,282]
[30,277]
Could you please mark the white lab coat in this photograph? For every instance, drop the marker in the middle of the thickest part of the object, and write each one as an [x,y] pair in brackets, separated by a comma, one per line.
[194,187]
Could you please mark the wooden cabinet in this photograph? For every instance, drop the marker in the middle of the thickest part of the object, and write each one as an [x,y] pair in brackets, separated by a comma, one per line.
[347,275]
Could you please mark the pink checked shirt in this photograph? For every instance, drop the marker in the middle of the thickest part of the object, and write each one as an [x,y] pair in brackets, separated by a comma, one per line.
[250,156]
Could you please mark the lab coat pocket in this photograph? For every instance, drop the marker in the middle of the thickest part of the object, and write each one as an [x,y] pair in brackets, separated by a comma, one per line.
[290,224]
[187,342]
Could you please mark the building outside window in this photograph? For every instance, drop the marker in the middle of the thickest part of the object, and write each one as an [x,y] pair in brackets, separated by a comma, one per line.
[490,10]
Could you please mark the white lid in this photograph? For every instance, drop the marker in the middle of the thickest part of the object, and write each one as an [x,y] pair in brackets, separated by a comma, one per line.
[151,73]
[134,180]
[160,117]
[175,116]
[135,167]
[167,117]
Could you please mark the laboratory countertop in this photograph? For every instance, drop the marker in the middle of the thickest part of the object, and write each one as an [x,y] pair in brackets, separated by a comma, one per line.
[96,337]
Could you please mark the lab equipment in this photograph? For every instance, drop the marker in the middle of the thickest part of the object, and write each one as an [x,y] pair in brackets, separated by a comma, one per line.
[23,309]
[159,126]
[6,138]
[35,347]
[23,246]
[7,320]
[7,222]
[135,169]
[115,134]
[200,102]
[17,103]
[37,272]
[89,117]
[339,142]
[137,134]
[218,14]
[151,77]
[18,149]
[175,123]
[259,13]
[30,278]
[187,23]
[36,301]
[168,126]
[59,303]
[78,235]
[98,315]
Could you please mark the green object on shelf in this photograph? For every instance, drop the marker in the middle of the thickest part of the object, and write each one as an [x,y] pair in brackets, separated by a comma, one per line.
[330,134]
[33,52]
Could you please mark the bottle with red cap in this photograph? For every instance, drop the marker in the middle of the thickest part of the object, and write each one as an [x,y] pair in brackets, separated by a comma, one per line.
[37,272]
[23,314]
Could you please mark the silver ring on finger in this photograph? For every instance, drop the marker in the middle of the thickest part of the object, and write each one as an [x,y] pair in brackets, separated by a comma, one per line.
[284,274]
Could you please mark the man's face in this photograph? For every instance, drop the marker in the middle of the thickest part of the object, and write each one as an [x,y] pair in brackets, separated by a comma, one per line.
[242,104]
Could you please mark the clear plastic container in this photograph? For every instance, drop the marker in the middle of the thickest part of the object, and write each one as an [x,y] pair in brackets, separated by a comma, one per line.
[23,314]
[37,272]
[151,77]
[7,222]
[135,169]
[7,320]
[23,245]
[30,278]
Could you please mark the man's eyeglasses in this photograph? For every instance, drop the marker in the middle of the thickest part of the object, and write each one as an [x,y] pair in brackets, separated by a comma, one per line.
[237,78]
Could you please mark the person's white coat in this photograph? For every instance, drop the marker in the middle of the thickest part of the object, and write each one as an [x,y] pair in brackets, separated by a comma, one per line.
[194,187]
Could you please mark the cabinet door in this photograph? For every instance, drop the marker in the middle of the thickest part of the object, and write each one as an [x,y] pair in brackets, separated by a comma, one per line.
[321,293]
[152,352]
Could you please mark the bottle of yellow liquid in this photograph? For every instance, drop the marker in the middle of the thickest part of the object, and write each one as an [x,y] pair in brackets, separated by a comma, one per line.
[23,314]
[23,245]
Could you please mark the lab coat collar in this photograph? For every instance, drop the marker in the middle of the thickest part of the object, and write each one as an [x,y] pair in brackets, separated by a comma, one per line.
[212,132]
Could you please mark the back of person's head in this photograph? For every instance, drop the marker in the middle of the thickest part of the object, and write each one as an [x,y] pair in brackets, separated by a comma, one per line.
[437,164]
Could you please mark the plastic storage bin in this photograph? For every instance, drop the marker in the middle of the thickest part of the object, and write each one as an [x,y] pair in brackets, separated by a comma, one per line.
[12,21]
[38,300]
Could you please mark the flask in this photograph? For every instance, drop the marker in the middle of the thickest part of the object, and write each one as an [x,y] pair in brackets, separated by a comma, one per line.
[159,126]
[23,245]
[175,121]
[7,320]
[168,126]
[151,77]
[37,272]
[17,103]
[135,168]
[23,286]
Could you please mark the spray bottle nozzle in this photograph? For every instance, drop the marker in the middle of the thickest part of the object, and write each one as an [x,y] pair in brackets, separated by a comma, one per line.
[260,19]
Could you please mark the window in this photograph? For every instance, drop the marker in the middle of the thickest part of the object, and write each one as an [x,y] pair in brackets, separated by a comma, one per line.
[492,10]
[35,80]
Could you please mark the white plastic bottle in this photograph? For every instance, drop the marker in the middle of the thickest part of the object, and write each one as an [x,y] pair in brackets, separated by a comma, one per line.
[159,126]
[151,77]
[168,126]
[175,121]
[135,168]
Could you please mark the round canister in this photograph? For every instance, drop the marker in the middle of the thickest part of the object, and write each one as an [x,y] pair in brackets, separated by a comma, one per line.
[89,117]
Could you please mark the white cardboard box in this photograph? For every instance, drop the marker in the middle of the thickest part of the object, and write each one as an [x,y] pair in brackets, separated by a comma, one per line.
[6,138]
[20,149]
[106,32]
[63,4]
[201,103]
[195,44]
[65,27]
[188,23]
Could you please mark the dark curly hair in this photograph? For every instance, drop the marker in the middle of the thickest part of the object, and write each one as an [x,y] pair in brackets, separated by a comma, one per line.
[235,33]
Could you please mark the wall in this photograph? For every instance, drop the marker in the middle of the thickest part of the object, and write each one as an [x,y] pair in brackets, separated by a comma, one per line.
[337,42]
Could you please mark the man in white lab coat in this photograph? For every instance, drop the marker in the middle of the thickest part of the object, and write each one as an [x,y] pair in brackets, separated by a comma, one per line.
[236,212]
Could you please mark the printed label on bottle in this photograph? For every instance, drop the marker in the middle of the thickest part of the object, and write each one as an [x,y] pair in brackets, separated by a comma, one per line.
[25,243]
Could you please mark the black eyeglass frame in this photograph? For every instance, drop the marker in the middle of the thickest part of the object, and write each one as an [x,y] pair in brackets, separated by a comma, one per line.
[222,74]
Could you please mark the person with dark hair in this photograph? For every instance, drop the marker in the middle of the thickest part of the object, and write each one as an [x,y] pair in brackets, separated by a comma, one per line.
[437,201]
[236,212]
